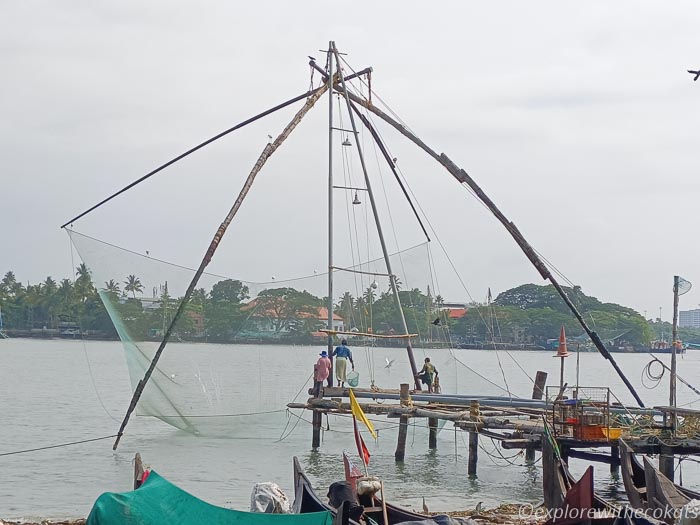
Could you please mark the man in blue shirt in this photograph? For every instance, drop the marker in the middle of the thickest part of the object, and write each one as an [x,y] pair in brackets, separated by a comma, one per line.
[342,353]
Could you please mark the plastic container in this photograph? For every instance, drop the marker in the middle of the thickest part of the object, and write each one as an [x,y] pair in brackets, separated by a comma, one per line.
[612,433]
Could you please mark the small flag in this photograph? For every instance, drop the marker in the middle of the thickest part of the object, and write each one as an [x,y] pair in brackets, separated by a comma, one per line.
[351,470]
[361,447]
[360,415]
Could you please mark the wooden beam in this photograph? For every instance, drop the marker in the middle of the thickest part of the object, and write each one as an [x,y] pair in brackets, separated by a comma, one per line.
[368,334]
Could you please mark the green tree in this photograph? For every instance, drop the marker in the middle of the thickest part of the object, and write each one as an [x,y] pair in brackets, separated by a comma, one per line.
[223,317]
[287,307]
[83,284]
[346,309]
[133,285]
[112,286]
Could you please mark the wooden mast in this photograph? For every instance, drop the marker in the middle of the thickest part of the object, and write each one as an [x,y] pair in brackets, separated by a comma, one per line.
[269,149]
[463,177]
[341,87]
[674,346]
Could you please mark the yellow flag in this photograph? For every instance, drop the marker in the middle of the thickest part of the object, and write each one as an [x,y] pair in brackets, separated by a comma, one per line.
[360,415]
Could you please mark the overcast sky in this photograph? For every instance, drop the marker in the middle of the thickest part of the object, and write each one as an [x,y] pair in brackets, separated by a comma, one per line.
[577,118]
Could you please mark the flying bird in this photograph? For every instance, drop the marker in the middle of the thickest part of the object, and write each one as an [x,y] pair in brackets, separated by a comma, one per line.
[425,507]
[436,322]
[696,73]
[389,363]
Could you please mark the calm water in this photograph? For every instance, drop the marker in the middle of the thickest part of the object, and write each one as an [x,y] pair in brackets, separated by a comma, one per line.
[55,392]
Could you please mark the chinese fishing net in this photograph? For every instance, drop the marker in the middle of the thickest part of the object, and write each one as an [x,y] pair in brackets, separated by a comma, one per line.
[242,350]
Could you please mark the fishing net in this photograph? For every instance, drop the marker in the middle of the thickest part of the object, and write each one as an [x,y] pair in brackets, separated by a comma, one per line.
[242,350]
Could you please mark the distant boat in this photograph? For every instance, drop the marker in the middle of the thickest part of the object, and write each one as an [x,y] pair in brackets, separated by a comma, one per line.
[665,347]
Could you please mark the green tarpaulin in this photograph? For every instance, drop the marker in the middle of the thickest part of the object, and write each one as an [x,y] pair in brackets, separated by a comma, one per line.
[159,502]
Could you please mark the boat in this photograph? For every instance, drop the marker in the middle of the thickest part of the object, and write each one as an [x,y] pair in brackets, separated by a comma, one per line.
[665,347]
[572,502]
[159,502]
[647,488]
[633,477]
[306,500]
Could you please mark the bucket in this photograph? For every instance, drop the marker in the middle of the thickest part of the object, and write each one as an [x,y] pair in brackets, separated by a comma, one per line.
[353,378]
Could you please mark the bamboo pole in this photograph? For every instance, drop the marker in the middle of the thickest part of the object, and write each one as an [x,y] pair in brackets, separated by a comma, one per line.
[267,152]
[529,252]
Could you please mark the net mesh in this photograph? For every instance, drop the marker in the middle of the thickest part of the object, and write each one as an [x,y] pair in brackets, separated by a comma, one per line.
[237,387]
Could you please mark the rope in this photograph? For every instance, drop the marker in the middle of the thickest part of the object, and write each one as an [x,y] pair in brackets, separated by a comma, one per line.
[656,378]
[192,150]
[451,263]
[57,446]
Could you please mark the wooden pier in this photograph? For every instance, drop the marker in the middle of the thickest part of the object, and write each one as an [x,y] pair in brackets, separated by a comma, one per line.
[516,423]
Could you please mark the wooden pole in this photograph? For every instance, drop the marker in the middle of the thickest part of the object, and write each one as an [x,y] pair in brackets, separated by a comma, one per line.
[538,388]
[614,459]
[674,337]
[432,434]
[138,471]
[400,453]
[368,186]
[666,462]
[473,453]
[529,252]
[537,393]
[473,440]
[330,211]
[316,425]
[269,149]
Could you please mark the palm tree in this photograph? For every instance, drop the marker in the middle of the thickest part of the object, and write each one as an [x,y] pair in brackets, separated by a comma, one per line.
[83,284]
[346,308]
[9,285]
[49,299]
[199,297]
[112,286]
[133,285]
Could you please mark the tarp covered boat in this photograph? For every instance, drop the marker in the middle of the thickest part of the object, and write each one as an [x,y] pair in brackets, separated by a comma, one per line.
[159,502]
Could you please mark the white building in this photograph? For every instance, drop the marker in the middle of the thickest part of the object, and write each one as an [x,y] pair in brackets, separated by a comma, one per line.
[689,319]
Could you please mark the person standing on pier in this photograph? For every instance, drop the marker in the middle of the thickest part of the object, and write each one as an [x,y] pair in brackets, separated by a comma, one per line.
[322,369]
[342,353]
[428,374]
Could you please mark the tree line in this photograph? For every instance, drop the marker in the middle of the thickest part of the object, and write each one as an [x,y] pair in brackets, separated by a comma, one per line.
[529,313]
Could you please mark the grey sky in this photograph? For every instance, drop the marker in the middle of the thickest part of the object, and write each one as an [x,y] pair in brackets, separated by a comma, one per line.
[578,119]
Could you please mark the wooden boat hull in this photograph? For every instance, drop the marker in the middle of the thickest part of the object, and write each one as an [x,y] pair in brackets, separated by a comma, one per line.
[306,500]
[577,499]
[633,477]
[647,488]
[663,495]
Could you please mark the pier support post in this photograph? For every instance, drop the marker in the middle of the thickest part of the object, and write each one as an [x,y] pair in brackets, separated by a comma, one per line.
[614,459]
[316,433]
[432,433]
[473,440]
[666,462]
[473,453]
[537,393]
[400,453]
